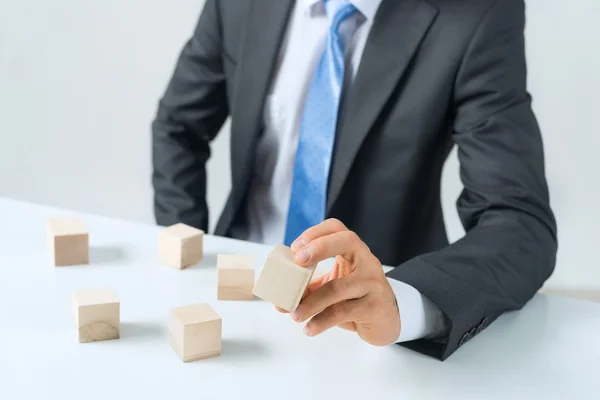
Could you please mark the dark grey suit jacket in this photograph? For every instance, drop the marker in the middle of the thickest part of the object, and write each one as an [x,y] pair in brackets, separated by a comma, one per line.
[434,73]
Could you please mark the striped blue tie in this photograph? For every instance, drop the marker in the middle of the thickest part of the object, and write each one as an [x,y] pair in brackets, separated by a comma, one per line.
[317,130]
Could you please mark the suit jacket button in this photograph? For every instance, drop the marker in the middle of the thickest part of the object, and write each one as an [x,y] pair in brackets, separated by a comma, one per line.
[485,322]
[482,325]
[466,337]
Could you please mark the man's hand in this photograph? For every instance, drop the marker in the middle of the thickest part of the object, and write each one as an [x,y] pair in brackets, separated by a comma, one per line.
[354,295]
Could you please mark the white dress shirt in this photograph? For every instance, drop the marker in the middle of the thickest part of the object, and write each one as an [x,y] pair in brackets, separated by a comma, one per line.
[271,185]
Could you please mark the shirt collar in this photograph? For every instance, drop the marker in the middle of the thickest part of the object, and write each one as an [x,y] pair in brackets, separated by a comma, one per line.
[368,8]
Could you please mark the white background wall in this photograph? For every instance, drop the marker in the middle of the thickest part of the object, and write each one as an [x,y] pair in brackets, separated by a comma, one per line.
[80,81]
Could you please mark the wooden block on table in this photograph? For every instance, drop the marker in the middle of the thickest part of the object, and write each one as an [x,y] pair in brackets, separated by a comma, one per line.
[181,246]
[235,277]
[282,281]
[68,241]
[195,332]
[97,315]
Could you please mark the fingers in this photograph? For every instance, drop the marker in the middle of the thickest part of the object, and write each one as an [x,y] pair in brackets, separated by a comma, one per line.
[338,314]
[316,284]
[344,243]
[321,280]
[326,227]
[332,292]
[349,326]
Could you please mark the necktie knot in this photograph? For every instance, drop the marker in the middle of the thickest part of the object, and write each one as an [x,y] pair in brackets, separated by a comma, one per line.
[338,11]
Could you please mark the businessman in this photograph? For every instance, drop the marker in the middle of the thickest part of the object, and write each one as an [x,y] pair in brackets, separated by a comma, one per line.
[343,113]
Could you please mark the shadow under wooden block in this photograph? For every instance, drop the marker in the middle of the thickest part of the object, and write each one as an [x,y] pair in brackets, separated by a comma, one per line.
[137,330]
[209,259]
[107,254]
[241,350]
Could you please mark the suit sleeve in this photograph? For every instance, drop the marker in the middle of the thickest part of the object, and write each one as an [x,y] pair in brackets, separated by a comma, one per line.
[190,114]
[510,245]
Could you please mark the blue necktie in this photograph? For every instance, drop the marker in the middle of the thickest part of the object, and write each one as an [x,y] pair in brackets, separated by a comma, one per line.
[317,130]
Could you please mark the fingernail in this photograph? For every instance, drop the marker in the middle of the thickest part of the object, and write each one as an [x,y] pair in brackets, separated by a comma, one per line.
[295,315]
[298,244]
[307,330]
[303,256]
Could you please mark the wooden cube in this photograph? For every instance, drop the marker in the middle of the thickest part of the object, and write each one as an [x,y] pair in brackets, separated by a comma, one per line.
[195,332]
[97,315]
[235,277]
[281,280]
[68,241]
[181,246]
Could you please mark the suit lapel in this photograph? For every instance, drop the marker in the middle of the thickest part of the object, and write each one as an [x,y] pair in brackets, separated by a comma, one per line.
[396,34]
[263,35]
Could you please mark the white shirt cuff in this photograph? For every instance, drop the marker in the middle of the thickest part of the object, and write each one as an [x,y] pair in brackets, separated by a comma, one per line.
[419,317]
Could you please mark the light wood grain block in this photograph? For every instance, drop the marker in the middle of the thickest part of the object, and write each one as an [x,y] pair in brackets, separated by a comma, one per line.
[68,241]
[235,277]
[97,315]
[281,280]
[195,332]
[181,246]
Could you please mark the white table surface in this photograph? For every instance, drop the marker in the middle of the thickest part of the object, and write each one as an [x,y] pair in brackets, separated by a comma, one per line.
[548,350]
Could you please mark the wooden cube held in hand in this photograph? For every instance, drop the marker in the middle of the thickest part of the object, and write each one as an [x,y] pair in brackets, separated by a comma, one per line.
[97,315]
[181,246]
[235,277]
[282,281]
[68,241]
[195,332]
